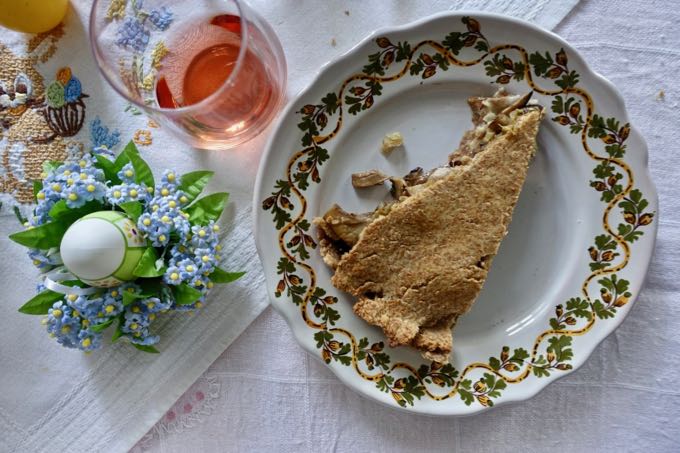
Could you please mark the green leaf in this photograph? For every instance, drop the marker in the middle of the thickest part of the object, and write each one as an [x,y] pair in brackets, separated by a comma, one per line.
[454,42]
[133,209]
[50,165]
[147,266]
[494,363]
[222,276]
[108,167]
[635,195]
[119,329]
[207,208]
[62,213]
[192,184]
[101,327]
[143,174]
[540,372]
[540,63]
[331,102]
[557,105]
[59,209]
[568,80]
[43,237]
[607,283]
[466,396]
[519,354]
[579,307]
[146,348]
[122,158]
[482,46]
[185,294]
[41,303]
[17,213]
[129,297]
[37,187]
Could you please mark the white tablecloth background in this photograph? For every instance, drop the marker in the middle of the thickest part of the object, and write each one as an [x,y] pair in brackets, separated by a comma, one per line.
[58,400]
[265,394]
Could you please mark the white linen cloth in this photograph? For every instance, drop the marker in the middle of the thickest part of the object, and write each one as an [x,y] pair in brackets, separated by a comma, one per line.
[265,394]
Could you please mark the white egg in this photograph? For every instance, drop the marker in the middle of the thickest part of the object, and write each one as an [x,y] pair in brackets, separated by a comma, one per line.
[102,249]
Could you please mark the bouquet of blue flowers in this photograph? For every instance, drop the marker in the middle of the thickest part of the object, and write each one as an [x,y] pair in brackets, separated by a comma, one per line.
[116,247]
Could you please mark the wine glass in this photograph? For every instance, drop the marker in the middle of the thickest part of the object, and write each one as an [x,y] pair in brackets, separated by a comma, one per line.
[211,71]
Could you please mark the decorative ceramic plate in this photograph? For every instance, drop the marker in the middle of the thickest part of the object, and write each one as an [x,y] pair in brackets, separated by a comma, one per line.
[580,240]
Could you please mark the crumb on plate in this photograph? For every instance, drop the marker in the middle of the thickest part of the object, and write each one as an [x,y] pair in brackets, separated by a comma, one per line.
[391,141]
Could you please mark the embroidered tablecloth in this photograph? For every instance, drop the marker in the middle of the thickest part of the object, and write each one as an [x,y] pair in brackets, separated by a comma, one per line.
[264,393]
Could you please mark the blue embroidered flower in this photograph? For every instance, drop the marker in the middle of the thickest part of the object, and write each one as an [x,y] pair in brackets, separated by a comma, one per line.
[73,90]
[143,338]
[102,138]
[63,325]
[90,309]
[206,259]
[191,307]
[111,306]
[170,178]
[156,305]
[104,151]
[116,195]
[89,340]
[42,260]
[204,236]
[182,227]
[130,287]
[161,19]
[83,190]
[127,174]
[155,229]
[122,193]
[187,269]
[133,34]
[168,185]
[198,281]
[134,322]
[171,276]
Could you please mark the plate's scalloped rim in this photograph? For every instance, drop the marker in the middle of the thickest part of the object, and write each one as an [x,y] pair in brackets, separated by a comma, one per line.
[527,391]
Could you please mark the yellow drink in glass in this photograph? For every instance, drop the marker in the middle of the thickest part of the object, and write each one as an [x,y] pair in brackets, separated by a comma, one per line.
[32,16]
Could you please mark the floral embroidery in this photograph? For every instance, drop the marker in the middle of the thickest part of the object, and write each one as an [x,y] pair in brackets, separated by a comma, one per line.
[142,137]
[101,136]
[161,19]
[134,33]
[189,411]
[116,9]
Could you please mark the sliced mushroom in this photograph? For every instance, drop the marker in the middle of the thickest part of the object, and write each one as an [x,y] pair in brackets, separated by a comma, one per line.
[415,177]
[368,179]
[341,225]
[397,189]
[519,103]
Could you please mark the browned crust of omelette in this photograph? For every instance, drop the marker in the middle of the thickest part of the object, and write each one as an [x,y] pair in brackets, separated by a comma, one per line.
[425,262]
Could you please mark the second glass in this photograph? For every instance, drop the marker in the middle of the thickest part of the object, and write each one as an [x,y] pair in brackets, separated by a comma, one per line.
[211,71]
